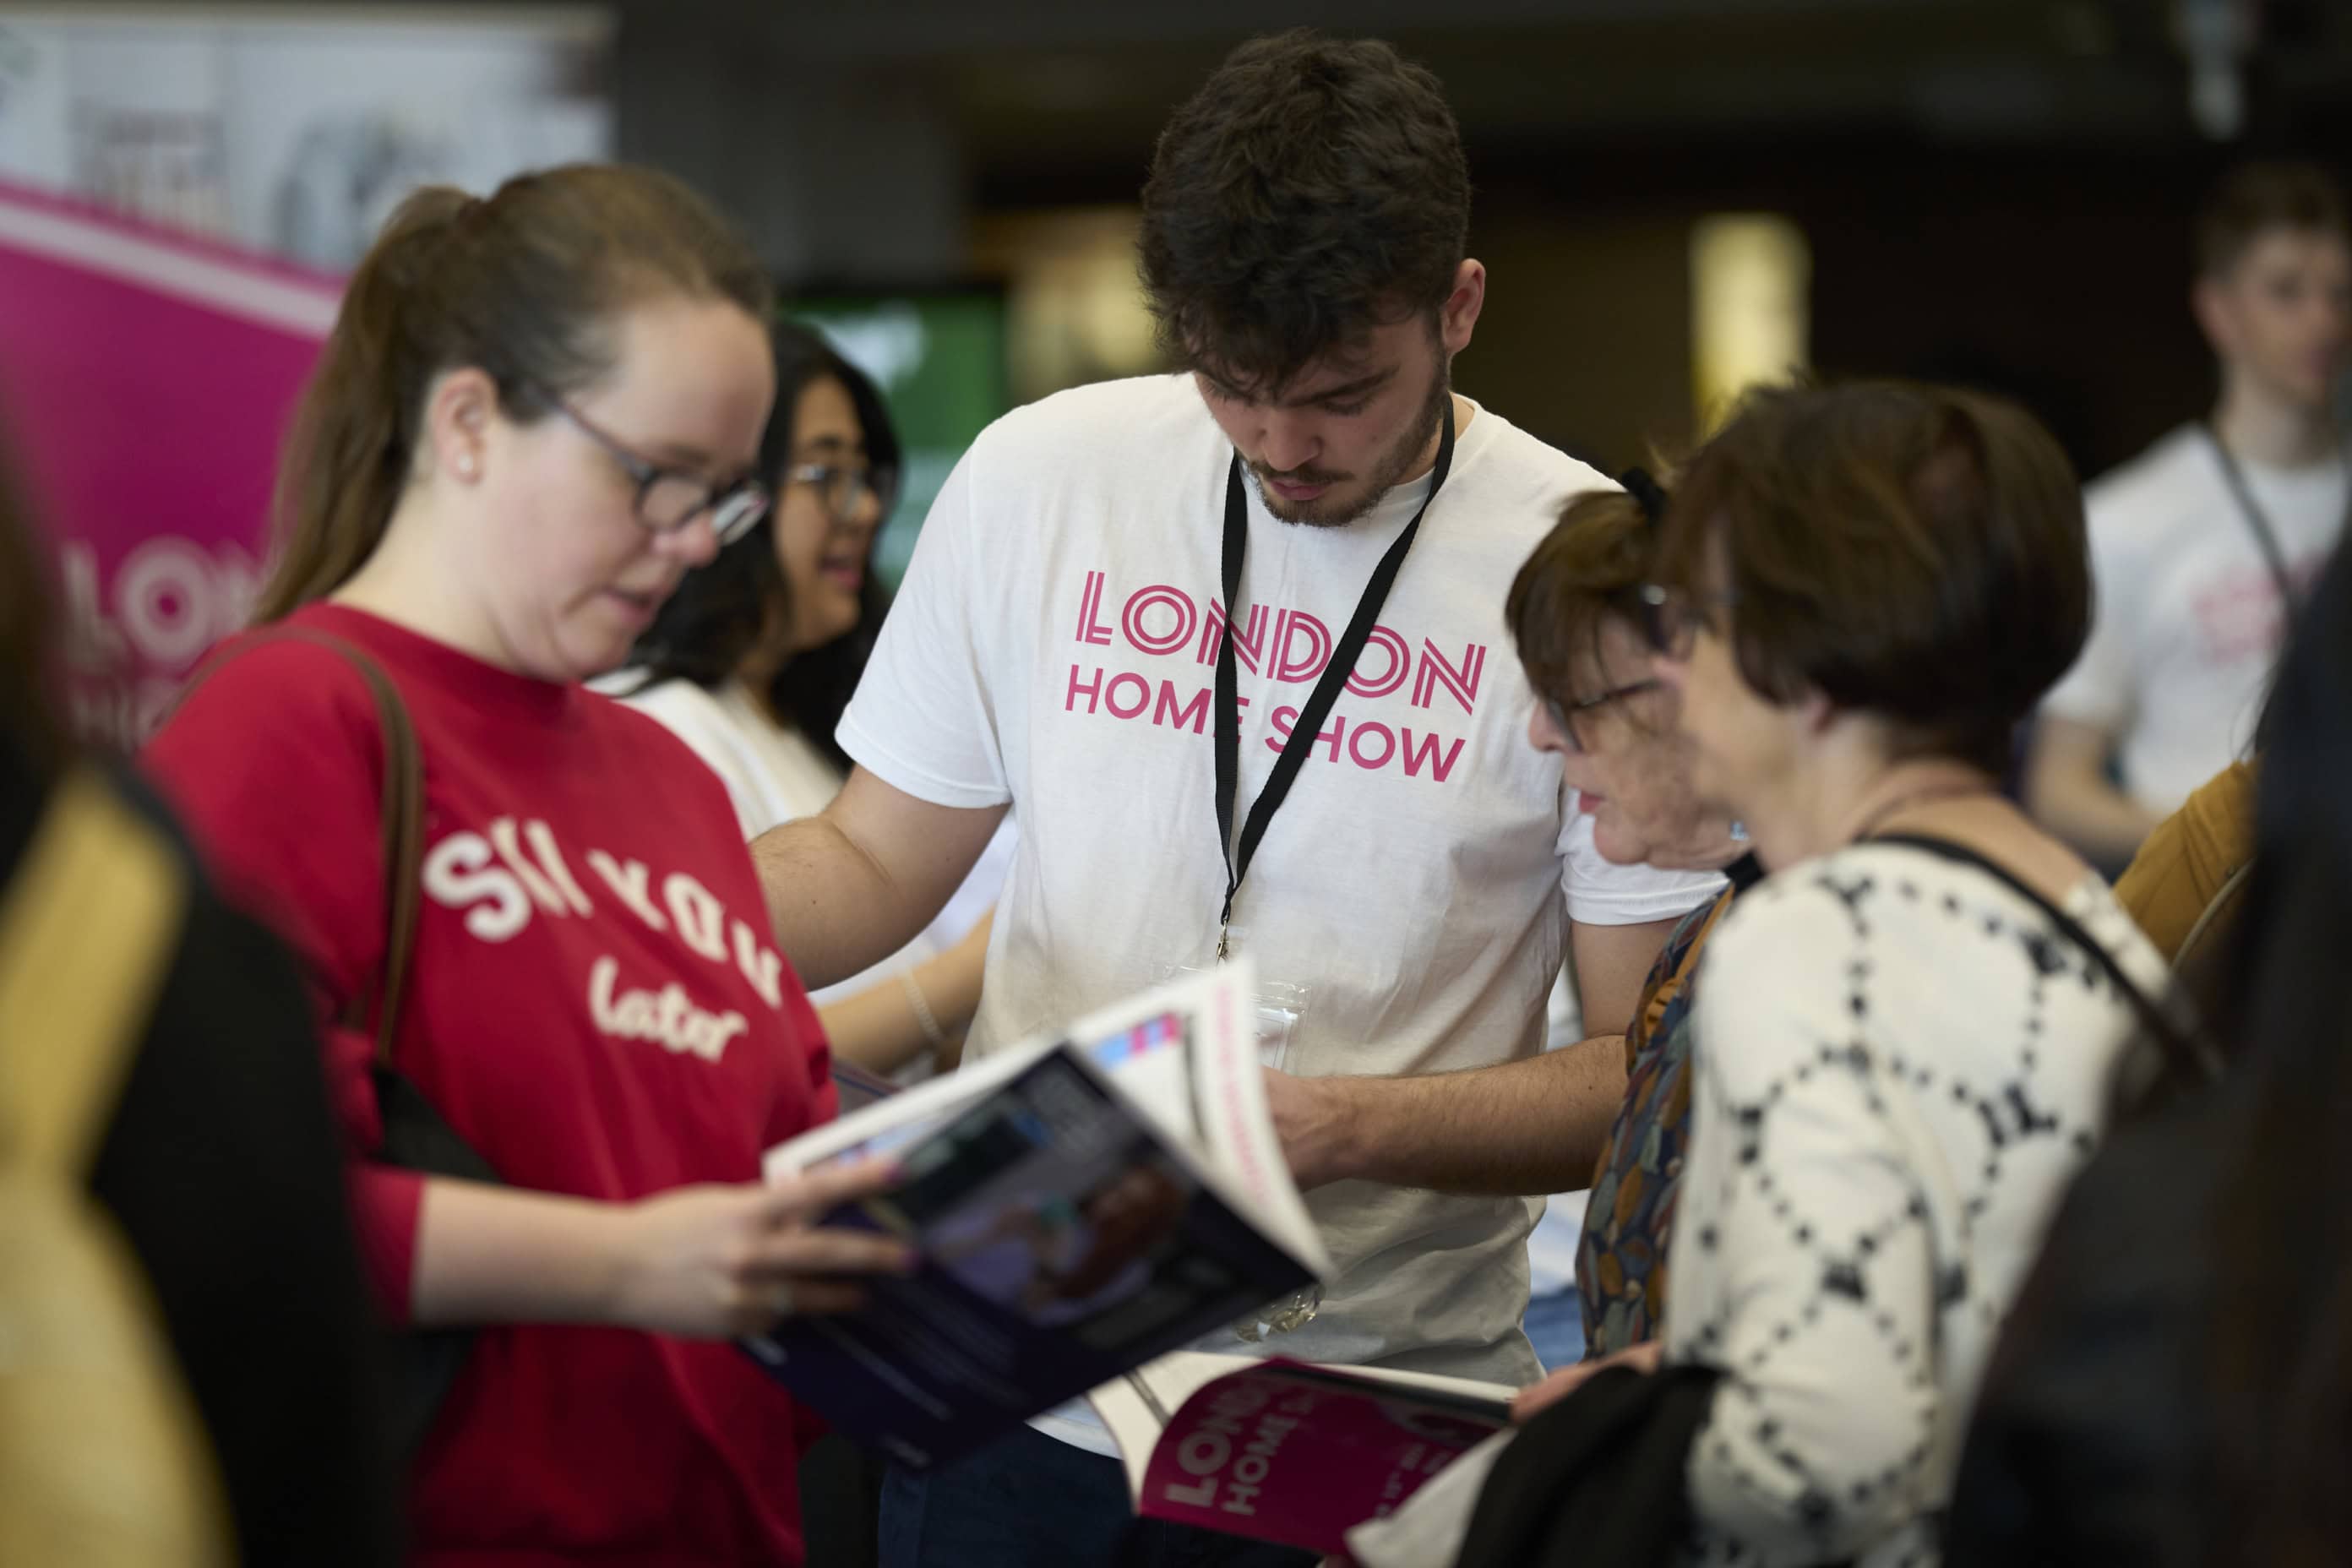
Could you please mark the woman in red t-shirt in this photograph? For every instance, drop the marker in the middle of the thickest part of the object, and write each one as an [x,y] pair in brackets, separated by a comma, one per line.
[535,413]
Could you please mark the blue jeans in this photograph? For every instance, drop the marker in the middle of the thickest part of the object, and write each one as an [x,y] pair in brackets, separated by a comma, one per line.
[1028,1501]
[1555,1326]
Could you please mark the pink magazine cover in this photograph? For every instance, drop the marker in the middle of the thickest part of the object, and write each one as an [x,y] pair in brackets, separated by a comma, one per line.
[1299,1455]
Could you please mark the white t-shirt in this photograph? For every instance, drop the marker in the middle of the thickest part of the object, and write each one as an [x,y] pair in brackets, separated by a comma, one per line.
[775,776]
[2190,620]
[1053,645]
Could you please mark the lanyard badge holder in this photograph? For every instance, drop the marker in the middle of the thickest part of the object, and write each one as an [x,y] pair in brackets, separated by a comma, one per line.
[1280,1005]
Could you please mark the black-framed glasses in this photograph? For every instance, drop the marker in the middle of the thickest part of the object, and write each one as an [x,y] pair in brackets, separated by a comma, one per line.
[841,487]
[1566,716]
[1671,618]
[670,499]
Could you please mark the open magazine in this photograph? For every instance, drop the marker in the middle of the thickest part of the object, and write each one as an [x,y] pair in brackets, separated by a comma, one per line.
[1079,1205]
[1284,1451]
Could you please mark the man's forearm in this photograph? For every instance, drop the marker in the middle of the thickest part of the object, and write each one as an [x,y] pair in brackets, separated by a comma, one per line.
[1523,1128]
[834,909]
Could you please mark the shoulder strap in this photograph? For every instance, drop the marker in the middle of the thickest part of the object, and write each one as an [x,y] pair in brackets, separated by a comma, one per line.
[2187,1052]
[401,828]
[86,937]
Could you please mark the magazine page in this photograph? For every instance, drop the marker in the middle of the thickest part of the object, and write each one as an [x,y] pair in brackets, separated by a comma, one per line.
[887,1123]
[1431,1525]
[1145,1043]
[1226,1086]
[1185,1055]
[1066,1236]
[1288,1452]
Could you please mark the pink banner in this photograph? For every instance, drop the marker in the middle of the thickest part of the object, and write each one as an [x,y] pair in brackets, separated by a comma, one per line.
[145,382]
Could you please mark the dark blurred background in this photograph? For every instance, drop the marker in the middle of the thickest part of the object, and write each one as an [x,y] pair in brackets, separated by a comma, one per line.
[1997,191]
[1676,196]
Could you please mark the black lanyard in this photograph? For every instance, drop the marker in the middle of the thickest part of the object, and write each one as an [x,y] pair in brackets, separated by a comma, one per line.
[2259,521]
[1349,648]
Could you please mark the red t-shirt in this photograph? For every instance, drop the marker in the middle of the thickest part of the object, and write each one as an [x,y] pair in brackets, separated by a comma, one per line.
[594,1002]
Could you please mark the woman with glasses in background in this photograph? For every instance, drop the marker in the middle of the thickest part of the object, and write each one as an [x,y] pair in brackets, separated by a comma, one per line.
[535,414]
[753,659]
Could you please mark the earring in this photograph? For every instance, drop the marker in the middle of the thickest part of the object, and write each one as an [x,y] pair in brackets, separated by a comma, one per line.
[465,466]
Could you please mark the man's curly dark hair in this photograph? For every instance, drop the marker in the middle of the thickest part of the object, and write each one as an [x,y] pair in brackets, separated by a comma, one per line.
[1313,189]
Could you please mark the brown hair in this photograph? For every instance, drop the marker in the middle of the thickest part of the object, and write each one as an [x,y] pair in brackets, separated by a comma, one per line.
[1913,552]
[2254,199]
[1312,190]
[1590,567]
[28,663]
[522,286]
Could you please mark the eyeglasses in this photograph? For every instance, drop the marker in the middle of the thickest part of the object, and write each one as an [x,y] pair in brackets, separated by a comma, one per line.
[1671,618]
[670,499]
[1566,715]
[842,489]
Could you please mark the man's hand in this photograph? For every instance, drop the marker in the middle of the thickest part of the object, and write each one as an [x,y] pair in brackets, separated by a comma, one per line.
[1645,1357]
[1311,1117]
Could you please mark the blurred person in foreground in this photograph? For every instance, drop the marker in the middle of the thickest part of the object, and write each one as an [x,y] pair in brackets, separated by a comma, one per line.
[2202,545]
[211,1151]
[1127,603]
[2161,1403]
[1906,1037]
[753,659]
[536,412]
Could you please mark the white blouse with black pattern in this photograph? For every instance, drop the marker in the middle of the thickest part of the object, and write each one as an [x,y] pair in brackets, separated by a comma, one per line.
[1899,1064]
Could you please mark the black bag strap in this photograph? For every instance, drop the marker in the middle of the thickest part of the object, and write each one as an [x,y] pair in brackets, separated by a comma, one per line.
[2187,1050]
[401,829]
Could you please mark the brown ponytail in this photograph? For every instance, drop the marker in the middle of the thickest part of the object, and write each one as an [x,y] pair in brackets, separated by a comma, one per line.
[521,285]
[29,721]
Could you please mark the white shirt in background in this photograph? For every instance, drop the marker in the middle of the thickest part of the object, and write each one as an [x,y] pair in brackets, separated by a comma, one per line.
[1054,646]
[2189,619]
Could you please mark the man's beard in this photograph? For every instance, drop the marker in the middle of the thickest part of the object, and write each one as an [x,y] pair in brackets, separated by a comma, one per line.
[1332,510]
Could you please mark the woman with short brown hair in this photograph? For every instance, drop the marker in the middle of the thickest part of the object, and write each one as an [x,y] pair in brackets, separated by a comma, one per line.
[1907,1037]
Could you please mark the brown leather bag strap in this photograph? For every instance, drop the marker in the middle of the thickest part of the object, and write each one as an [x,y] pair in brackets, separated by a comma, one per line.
[402,831]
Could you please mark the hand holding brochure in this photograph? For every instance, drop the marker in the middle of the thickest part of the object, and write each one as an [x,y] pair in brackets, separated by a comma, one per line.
[1287,1452]
[1079,1205]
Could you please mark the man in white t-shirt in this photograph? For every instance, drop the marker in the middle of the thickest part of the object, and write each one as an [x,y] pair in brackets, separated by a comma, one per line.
[1059,647]
[2199,545]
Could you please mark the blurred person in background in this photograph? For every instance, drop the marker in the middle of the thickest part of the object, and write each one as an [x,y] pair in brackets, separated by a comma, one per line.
[1069,646]
[1575,613]
[2161,1403]
[753,659]
[2202,545]
[211,1151]
[535,414]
